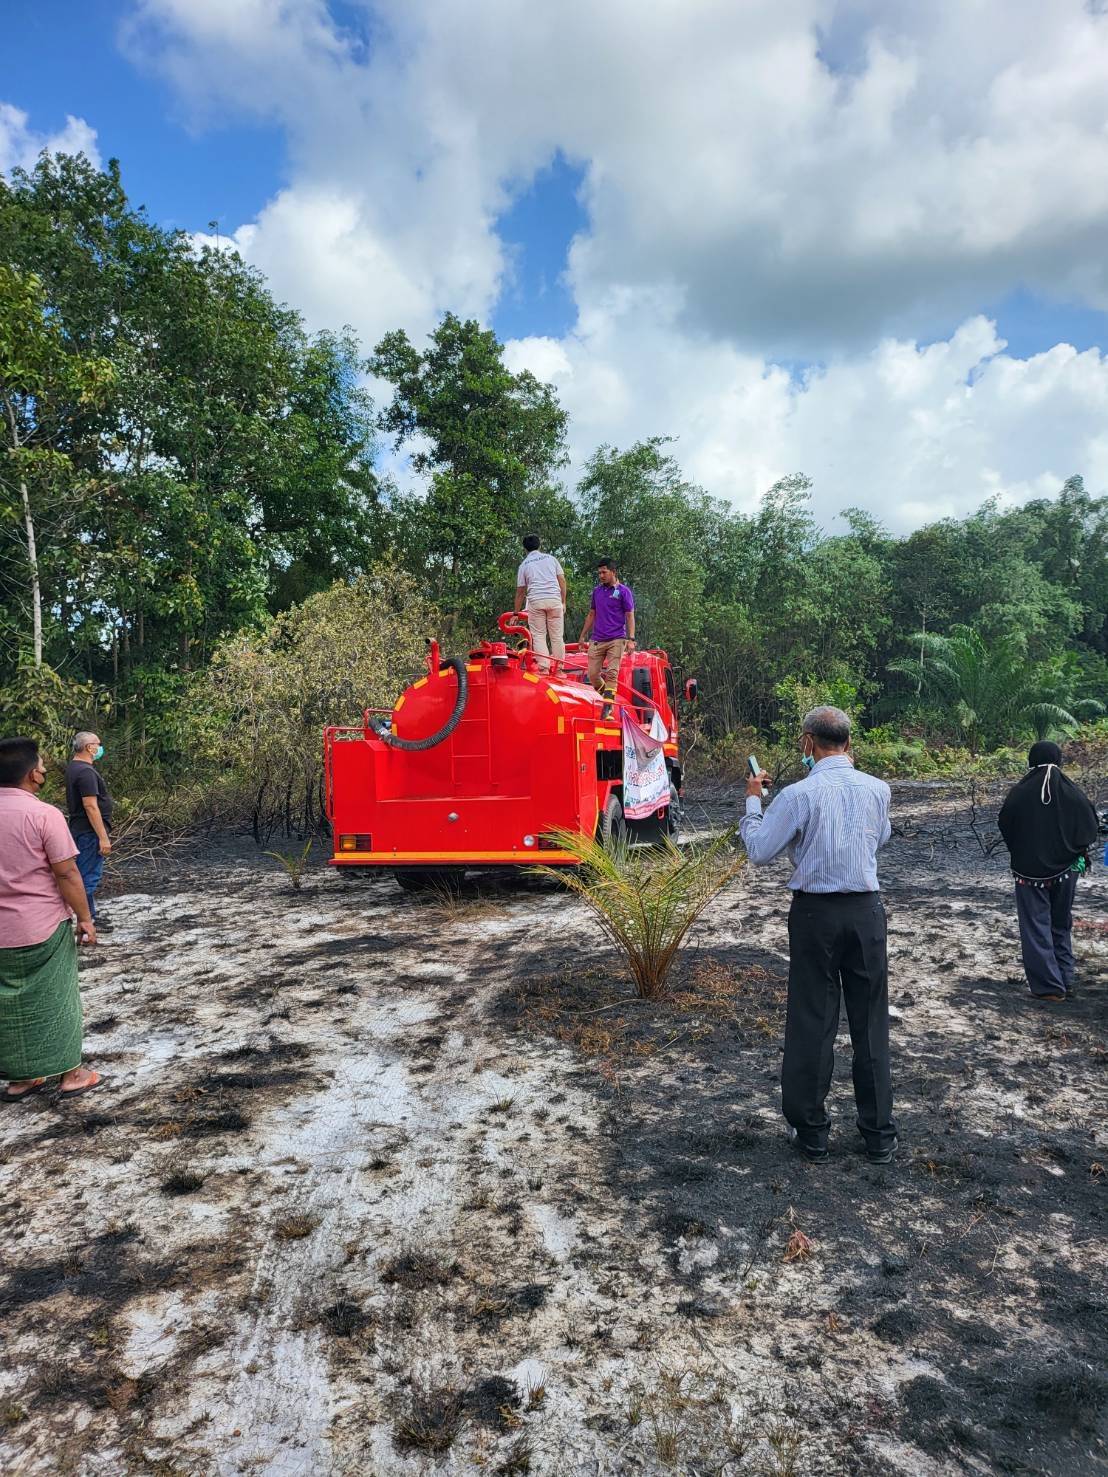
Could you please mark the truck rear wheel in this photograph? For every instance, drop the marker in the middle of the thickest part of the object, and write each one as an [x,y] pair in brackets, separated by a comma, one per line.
[672,822]
[613,823]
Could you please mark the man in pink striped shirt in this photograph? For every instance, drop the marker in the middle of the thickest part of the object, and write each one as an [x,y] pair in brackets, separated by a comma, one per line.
[40,887]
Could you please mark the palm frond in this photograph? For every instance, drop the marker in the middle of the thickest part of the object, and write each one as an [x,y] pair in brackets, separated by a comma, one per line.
[1049,718]
[646,899]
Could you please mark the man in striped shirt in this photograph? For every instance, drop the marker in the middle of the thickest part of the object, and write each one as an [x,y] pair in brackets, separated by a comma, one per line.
[831,825]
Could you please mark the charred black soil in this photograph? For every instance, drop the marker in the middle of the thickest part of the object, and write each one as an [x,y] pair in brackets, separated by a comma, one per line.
[387,1184]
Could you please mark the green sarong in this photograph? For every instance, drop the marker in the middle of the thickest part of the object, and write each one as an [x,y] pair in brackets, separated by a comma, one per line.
[40,1008]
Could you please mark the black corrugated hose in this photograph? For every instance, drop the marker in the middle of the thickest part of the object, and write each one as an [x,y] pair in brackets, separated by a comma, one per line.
[459,668]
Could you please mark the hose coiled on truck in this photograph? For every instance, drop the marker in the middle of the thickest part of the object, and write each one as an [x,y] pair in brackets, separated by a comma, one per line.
[415,745]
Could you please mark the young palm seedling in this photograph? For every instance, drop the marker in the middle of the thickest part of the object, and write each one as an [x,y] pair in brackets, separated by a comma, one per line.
[295,866]
[646,899]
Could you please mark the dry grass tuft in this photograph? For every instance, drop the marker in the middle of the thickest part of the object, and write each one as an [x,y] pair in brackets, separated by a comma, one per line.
[416,1270]
[786,1444]
[535,1395]
[592,1038]
[431,1421]
[517,1459]
[295,1227]
[799,1248]
[182,1181]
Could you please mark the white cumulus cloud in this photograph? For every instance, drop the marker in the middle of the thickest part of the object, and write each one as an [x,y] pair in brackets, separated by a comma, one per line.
[21,145]
[910,432]
[820,182]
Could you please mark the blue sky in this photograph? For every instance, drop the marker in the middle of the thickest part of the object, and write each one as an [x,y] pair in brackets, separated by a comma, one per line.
[63,57]
[792,273]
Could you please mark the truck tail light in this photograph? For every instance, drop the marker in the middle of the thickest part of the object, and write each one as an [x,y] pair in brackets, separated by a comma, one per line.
[361,841]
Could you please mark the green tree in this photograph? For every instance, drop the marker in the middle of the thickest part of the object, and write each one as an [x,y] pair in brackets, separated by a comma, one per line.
[44,391]
[489,443]
[636,507]
[228,464]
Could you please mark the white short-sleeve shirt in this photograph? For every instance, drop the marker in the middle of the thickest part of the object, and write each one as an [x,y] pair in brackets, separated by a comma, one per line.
[538,574]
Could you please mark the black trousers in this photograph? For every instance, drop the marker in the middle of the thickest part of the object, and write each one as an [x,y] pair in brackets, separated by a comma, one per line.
[837,946]
[1046,934]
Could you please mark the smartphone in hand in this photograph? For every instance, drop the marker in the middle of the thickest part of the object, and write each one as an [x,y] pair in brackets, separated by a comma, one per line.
[754,767]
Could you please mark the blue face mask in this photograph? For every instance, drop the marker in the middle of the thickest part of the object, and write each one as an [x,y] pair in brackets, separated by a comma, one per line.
[99,752]
[808,761]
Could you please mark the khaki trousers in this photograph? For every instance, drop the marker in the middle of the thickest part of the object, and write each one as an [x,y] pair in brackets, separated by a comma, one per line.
[604,660]
[546,622]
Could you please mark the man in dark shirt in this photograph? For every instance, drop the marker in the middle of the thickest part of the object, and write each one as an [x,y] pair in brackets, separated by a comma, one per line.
[90,812]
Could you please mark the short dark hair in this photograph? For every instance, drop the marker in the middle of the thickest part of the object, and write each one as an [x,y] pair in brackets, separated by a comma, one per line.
[531,541]
[18,756]
[607,563]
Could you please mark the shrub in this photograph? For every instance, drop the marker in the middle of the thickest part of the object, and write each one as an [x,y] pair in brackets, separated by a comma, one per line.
[263,703]
[798,697]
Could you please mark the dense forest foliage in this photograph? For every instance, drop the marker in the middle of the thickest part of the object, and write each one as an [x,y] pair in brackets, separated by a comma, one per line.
[186,472]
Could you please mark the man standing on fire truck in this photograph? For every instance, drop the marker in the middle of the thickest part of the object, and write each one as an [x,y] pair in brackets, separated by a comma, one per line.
[541,583]
[609,626]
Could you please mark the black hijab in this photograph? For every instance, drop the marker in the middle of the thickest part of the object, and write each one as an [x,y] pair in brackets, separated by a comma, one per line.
[1046,820]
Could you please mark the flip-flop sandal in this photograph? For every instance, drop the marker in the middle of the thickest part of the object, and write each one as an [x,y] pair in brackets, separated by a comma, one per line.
[68,1092]
[7,1096]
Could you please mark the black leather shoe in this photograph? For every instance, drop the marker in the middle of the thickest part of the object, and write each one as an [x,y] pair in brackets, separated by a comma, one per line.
[811,1152]
[883,1156]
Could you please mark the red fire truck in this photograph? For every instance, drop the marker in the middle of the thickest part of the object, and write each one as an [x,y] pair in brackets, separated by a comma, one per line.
[480,760]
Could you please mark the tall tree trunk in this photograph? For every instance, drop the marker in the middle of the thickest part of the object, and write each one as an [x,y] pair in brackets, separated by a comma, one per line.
[32,547]
[32,560]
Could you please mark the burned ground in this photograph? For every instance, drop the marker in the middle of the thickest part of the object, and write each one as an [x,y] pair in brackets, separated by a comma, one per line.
[398,1185]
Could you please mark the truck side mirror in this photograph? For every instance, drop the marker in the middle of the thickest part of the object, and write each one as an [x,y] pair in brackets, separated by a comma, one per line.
[691,690]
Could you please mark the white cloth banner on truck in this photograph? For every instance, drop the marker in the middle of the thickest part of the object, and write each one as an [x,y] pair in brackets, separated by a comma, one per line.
[645,779]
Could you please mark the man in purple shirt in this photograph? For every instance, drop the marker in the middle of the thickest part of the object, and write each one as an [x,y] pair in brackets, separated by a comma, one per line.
[609,626]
